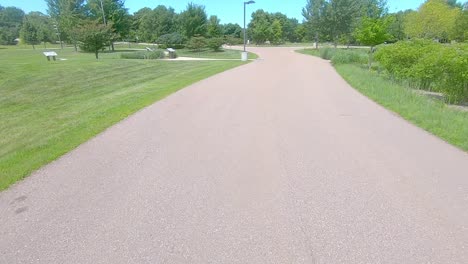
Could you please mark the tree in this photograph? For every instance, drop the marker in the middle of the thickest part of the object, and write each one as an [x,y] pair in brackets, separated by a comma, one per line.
[214,28]
[435,19]
[30,33]
[143,24]
[372,32]
[260,27]
[233,30]
[277,32]
[193,21]
[68,14]
[215,43]
[94,36]
[397,25]
[340,19]
[151,24]
[300,33]
[114,13]
[44,25]
[197,43]
[460,32]
[314,19]
[11,19]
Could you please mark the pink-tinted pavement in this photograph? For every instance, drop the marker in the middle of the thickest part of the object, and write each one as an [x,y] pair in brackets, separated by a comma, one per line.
[277,161]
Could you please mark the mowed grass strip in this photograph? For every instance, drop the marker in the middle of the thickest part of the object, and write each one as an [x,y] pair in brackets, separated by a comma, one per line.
[49,108]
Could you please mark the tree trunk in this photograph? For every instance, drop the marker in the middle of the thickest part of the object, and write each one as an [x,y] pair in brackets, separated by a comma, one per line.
[45,45]
[33,46]
[112,45]
[97,54]
[76,46]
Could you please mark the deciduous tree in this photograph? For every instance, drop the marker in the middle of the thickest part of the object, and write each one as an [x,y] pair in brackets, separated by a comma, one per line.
[94,36]
[11,19]
[193,21]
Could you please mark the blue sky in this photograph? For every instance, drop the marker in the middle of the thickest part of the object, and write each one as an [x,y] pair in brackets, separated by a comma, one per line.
[227,10]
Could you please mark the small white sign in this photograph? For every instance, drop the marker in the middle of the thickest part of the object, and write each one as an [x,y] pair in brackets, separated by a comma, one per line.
[50,53]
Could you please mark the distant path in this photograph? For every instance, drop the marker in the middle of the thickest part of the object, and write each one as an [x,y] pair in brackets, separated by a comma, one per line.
[277,161]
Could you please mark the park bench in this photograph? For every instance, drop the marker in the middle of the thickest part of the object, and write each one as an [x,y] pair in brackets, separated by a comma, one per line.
[50,54]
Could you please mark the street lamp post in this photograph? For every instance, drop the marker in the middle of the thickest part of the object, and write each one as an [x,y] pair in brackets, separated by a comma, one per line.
[244,54]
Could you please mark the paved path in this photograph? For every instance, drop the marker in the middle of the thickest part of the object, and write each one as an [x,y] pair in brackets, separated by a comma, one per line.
[278,161]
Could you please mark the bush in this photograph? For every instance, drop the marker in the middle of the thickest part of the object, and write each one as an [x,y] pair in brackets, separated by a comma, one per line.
[141,55]
[350,57]
[215,43]
[197,43]
[428,65]
[231,41]
[173,40]
[327,53]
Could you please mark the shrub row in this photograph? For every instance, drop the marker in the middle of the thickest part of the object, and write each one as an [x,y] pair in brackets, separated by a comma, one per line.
[142,55]
[348,56]
[428,65]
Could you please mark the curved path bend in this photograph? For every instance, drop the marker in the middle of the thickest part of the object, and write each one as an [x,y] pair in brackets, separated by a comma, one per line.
[277,161]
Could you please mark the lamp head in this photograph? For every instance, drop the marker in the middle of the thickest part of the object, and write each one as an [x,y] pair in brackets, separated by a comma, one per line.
[249,2]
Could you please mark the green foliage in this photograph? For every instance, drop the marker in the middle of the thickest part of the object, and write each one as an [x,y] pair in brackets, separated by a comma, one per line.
[260,27]
[327,53]
[214,28]
[116,15]
[94,37]
[232,30]
[197,43]
[152,24]
[193,21]
[461,27]
[68,14]
[30,33]
[215,44]
[350,56]
[273,27]
[11,19]
[173,40]
[429,65]
[314,14]
[230,40]
[277,32]
[142,55]
[435,19]
[372,31]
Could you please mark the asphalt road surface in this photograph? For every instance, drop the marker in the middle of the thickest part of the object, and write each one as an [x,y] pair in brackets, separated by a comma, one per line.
[277,161]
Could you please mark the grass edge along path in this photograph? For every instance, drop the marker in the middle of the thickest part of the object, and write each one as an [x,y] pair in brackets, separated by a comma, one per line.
[25,160]
[434,116]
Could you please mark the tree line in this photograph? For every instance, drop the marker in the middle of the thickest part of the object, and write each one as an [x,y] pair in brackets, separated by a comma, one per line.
[67,20]
[368,22]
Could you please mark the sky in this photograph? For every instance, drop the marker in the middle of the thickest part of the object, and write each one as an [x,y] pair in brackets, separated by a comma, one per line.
[229,11]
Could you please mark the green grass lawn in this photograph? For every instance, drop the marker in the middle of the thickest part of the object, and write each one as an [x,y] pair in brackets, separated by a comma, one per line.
[49,108]
[430,114]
